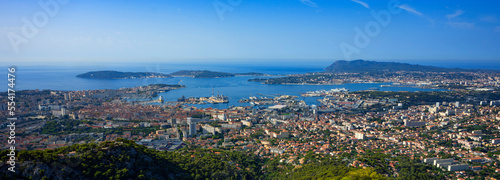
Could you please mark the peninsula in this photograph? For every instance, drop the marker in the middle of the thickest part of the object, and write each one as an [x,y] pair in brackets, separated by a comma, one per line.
[121,75]
[400,74]
[364,66]
[211,74]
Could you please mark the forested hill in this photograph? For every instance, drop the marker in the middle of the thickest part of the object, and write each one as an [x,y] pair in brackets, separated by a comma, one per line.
[124,159]
[202,74]
[211,74]
[362,66]
[121,75]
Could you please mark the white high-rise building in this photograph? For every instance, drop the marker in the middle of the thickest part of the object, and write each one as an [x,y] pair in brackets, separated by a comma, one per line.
[192,129]
[458,167]
[222,117]
[359,135]
[495,103]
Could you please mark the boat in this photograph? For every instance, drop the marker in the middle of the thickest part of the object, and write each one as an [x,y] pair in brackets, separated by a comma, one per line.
[320,93]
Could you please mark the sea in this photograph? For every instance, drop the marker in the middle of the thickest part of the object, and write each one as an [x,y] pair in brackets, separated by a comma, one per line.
[63,77]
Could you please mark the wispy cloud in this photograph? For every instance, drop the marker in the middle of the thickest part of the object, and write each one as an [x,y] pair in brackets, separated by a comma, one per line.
[410,9]
[461,24]
[491,19]
[454,20]
[454,15]
[309,3]
[362,3]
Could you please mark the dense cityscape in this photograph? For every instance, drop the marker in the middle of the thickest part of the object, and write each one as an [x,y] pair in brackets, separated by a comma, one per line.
[250,90]
[453,134]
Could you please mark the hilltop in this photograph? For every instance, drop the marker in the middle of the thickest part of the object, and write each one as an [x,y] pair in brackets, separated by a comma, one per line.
[363,66]
[125,159]
[360,71]
[211,74]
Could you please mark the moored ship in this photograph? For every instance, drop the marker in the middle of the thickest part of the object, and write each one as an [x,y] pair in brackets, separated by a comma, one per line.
[320,93]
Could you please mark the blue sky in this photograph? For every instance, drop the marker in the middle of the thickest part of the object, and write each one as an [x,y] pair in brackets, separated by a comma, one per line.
[94,31]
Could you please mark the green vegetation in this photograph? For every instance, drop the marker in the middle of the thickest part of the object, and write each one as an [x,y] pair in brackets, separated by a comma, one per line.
[362,66]
[258,80]
[307,79]
[211,74]
[159,86]
[317,167]
[124,159]
[331,170]
[249,74]
[203,74]
[350,71]
[120,75]
[412,169]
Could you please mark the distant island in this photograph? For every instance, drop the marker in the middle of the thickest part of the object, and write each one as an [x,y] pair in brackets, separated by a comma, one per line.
[121,75]
[211,74]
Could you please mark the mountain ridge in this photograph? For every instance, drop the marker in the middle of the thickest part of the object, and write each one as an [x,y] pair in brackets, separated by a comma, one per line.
[363,66]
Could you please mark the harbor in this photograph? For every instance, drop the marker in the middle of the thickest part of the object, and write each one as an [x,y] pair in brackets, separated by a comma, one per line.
[322,93]
[219,99]
[263,100]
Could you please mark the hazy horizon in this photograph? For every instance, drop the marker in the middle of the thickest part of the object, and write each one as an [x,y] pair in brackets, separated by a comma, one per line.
[316,63]
[78,32]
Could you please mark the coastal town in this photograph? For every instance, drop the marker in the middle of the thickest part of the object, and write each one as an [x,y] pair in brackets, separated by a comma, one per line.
[455,133]
[250,90]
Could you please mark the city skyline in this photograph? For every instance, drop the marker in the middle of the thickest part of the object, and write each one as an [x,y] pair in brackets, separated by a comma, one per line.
[74,32]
